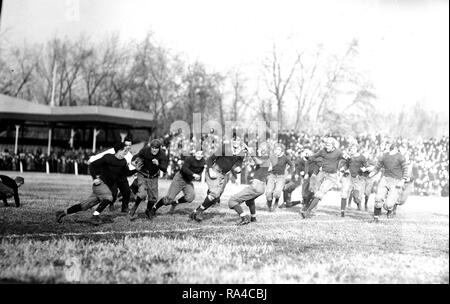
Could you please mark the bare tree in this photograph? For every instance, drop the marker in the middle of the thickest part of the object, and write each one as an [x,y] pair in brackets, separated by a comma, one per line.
[239,102]
[98,66]
[277,81]
[17,70]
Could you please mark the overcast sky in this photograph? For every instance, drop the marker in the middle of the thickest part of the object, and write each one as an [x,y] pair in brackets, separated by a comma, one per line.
[404,45]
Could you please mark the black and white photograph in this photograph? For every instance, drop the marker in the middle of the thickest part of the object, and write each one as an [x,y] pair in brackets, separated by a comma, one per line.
[211,142]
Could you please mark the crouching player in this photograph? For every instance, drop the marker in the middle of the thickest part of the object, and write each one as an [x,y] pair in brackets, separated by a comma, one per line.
[182,181]
[216,176]
[392,181]
[105,171]
[327,178]
[255,189]
[10,188]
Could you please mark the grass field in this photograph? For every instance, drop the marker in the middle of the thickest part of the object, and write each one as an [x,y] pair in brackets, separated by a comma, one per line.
[279,248]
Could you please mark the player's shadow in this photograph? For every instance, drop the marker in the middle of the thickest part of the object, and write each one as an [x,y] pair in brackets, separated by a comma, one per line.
[181,211]
[349,213]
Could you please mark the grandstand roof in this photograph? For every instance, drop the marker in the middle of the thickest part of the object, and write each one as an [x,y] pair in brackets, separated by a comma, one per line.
[22,110]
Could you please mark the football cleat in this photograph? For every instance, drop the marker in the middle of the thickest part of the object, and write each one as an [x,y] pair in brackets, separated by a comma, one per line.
[59,216]
[95,220]
[244,220]
[173,206]
[150,213]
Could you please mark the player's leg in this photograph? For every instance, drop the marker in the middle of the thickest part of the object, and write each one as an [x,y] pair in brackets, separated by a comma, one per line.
[237,199]
[88,203]
[288,188]
[4,199]
[345,191]
[5,193]
[279,185]
[270,188]
[140,195]
[175,187]
[380,198]
[307,194]
[105,196]
[406,191]
[125,190]
[259,188]
[215,188]
[392,196]
[368,186]
[188,197]
[152,196]
[328,182]
[115,193]
[358,190]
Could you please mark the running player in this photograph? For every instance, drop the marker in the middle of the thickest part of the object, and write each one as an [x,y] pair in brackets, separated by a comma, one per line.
[191,170]
[328,177]
[392,181]
[216,176]
[254,190]
[105,171]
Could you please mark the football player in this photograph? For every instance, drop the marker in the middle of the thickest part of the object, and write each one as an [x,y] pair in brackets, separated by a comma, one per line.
[331,157]
[154,160]
[255,189]
[393,179]
[10,188]
[353,183]
[191,170]
[216,176]
[105,171]
[276,178]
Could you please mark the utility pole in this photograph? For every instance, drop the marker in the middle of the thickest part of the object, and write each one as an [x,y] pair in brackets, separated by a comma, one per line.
[52,101]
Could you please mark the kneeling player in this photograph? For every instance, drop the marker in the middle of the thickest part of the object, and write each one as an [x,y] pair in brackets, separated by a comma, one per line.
[10,188]
[182,181]
[254,190]
[106,171]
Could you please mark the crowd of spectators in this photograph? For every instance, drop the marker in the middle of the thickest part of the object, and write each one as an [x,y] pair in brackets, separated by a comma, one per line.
[429,157]
[59,161]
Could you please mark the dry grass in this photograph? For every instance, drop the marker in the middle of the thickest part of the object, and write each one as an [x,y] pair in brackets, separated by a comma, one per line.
[279,248]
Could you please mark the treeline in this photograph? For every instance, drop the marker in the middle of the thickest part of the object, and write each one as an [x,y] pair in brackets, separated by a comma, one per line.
[314,91]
